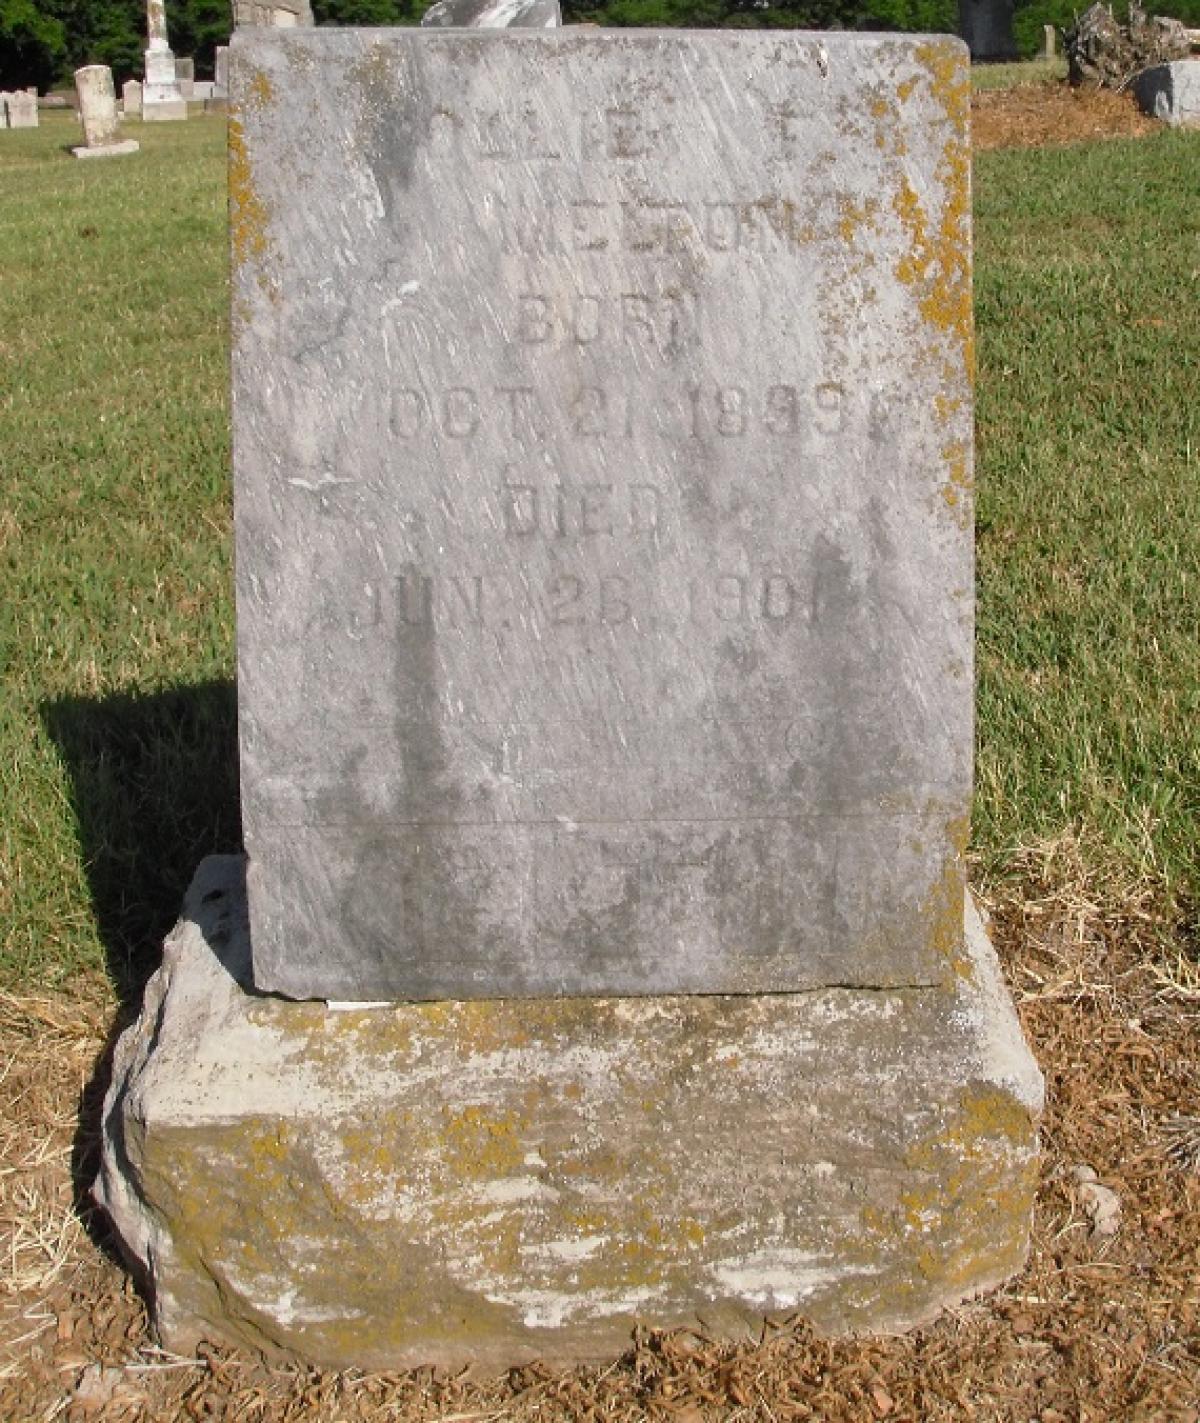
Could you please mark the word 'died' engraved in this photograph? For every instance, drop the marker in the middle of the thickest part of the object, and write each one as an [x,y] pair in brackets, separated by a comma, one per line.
[664,322]
[764,226]
[576,513]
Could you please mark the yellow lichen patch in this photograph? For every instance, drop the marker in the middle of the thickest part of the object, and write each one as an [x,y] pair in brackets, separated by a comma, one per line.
[853,216]
[942,909]
[248,216]
[259,93]
[480,1142]
[937,262]
[946,407]
[958,479]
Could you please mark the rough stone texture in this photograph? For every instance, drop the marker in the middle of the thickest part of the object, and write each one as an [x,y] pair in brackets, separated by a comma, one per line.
[489,1181]
[131,98]
[1171,92]
[21,109]
[493,14]
[97,106]
[603,460]
[109,150]
[221,72]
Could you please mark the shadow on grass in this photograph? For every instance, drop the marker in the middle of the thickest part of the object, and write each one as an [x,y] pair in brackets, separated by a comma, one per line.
[154,784]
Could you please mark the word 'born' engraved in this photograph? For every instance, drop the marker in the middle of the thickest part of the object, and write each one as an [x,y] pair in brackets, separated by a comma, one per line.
[663,321]
[593,508]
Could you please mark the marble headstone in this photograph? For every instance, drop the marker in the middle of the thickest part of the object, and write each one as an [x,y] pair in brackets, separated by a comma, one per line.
[98,114]
[22,109]
[602,408]
[131,97]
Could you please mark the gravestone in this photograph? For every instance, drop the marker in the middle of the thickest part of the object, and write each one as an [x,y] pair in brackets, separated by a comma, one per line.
[98,114]
[131,98]
[602,442]
[185,75]
[569,705]
[21,109]
[221,72]
[162,98]
[1171,92]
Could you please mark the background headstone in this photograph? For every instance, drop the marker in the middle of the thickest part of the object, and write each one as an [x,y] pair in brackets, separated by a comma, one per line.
[493,14]
[22,110]
[131,97]
[276,14]
[162,98]
[185,74]
[221,71]
[1171,92]
[98,114]
[604,570]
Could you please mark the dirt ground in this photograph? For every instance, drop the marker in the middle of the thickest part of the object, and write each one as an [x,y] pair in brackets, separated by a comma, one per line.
[1104,1323]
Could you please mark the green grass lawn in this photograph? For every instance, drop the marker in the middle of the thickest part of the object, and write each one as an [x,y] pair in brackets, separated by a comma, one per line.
[117,765]
[1019,72]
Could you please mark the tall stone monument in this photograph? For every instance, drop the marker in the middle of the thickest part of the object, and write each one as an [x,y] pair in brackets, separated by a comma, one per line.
[97,101]
[602,443]
[162,98]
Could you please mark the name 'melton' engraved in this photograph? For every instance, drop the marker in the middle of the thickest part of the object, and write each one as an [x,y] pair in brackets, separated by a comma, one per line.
[602,498]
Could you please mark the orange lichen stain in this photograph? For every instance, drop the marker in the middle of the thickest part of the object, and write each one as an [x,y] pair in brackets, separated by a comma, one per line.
[480,1143]
[937,262]
[946,407]
[247,212]
[904,90]
[259,93]
[854,215]
[958,474]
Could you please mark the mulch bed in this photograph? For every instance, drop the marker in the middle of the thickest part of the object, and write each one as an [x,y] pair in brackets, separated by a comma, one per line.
[1054,114]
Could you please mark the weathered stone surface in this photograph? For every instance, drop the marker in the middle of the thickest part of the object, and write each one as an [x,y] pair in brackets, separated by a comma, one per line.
[109,150]
[22,109]
[493,14]
[1171,92]
[221,72]
[603,459]
[131,98]
[97,105]
[185,75]
[485,1182]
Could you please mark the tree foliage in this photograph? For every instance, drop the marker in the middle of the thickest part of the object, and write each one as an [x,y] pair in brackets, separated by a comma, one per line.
[43,41]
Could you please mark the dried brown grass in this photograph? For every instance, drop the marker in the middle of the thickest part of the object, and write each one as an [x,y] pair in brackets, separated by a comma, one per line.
[1096,1327]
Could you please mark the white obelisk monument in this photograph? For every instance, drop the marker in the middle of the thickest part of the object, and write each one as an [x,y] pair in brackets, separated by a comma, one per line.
[161,95]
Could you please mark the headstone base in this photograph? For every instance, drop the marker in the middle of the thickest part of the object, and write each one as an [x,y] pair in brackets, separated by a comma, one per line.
[107,150]
[164,110]
[489,1182]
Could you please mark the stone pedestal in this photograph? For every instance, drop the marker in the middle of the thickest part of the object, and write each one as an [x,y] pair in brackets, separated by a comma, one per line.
[494,1181]
[162,99]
